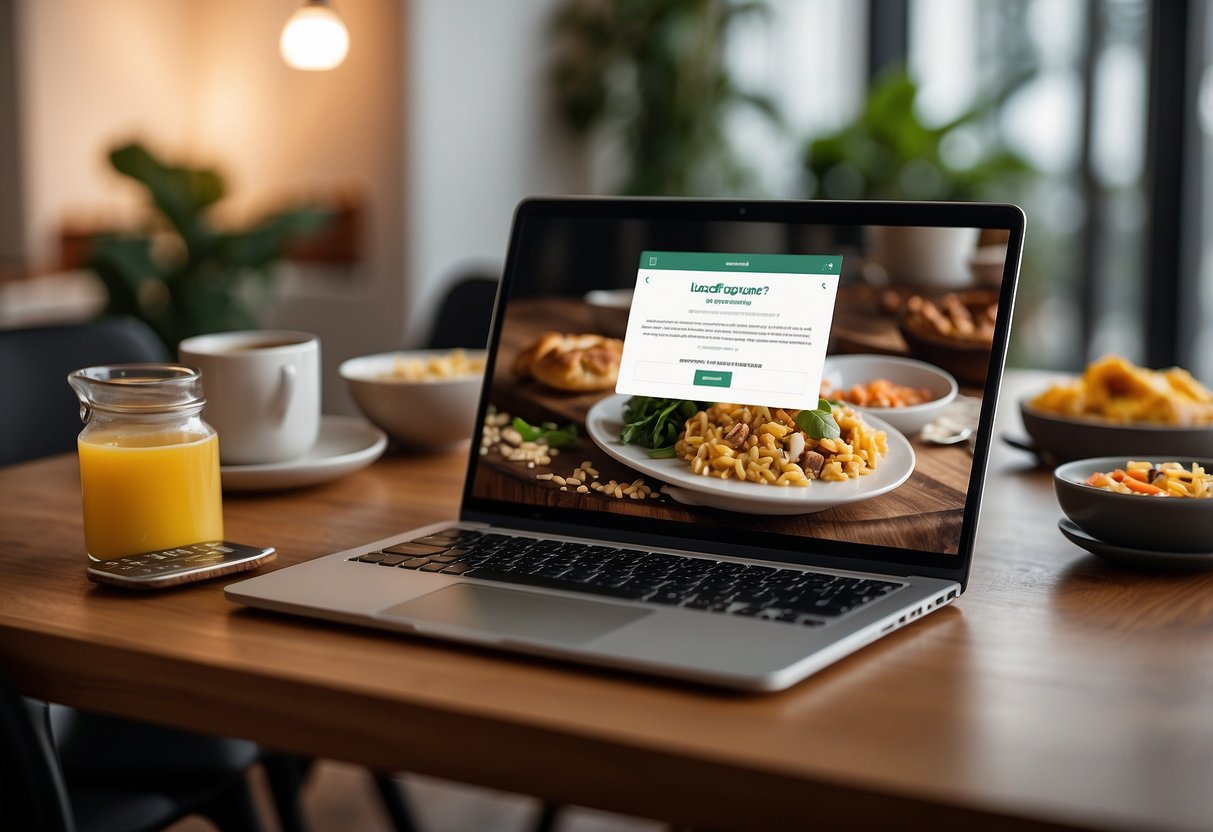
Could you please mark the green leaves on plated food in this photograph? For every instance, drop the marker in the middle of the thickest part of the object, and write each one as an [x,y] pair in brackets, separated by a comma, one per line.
[819,423]
[655,423]
[547,432]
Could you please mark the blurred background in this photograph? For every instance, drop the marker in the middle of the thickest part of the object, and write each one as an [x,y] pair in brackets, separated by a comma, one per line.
[1095,115]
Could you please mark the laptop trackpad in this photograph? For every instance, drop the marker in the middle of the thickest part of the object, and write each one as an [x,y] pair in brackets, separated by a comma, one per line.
[511,614]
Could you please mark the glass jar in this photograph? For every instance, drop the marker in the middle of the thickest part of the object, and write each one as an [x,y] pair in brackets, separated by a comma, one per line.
[149,465]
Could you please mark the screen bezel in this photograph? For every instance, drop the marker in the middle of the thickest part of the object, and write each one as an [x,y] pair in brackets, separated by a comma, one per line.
[722,540]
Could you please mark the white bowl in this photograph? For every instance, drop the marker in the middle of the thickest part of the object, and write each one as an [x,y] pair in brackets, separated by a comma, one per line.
[844,371]
[424,415]
[609,309]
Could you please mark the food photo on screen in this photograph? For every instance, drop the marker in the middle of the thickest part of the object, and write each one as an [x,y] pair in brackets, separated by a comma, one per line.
[745,390]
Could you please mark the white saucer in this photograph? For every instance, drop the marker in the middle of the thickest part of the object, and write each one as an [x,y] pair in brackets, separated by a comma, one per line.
[345,444]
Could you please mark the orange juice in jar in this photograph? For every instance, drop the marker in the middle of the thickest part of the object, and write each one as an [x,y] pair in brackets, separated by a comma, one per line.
[149,464]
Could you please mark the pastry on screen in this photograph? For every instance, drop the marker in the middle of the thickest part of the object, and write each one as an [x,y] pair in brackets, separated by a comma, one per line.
[576,363]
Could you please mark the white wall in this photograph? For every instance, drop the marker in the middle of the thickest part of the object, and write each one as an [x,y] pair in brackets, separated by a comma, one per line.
[807,55]
[201,81]
[89,75]
[479,135]
[284,132]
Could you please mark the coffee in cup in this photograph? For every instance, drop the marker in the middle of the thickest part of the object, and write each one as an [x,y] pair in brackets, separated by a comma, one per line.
[263,392]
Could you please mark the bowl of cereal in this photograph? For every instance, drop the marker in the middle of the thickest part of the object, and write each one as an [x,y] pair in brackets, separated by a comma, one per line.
[1114,405]
[904,392]
[954,331]
[424,399]
[1148,503]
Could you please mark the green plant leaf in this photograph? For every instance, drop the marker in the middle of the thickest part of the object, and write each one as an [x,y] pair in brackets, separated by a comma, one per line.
[547,432]
[819,423]
[123,264]
[889,152]
[652,75]
[656,423]
[263,244]
[197,287]
[180,194]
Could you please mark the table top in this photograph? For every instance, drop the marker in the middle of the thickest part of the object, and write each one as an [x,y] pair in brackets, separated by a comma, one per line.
[1059,691]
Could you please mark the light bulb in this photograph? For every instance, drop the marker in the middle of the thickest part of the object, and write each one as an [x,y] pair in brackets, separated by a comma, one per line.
[314,38]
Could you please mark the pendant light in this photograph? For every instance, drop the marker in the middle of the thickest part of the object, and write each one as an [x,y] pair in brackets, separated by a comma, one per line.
[314,38]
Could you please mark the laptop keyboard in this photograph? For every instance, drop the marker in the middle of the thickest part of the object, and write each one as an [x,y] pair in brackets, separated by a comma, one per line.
[699,583]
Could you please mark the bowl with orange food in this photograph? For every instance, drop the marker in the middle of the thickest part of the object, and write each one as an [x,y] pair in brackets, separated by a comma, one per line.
[905,392]
[1116,406]
[1148,503]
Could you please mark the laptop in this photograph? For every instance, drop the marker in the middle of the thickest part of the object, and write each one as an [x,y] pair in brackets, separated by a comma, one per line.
[657,484]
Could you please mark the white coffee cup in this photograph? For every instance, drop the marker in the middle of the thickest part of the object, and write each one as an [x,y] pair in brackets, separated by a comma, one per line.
[262,391]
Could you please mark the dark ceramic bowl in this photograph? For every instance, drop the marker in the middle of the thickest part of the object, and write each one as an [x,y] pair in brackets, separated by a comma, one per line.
[1065,439]
[1160,524]
[968,361]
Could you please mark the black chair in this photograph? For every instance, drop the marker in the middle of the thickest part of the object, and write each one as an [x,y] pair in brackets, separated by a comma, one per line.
[182,772]
[41,416]
[36,796]
[33,795]
[465,314]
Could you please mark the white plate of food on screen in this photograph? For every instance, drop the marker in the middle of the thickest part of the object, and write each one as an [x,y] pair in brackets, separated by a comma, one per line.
[753,459]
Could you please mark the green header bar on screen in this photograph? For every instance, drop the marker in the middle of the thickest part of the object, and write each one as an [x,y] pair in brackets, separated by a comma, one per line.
[701,261]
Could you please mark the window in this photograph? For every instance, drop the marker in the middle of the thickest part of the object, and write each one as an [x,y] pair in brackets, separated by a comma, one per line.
[1106,114]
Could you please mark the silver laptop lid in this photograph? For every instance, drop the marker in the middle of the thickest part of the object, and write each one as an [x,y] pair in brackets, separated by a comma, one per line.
[749,378]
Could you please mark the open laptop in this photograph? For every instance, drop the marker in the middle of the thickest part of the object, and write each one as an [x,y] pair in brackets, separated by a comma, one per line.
[729,552]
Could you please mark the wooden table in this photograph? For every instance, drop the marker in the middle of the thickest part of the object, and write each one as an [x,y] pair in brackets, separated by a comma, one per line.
[1059,692]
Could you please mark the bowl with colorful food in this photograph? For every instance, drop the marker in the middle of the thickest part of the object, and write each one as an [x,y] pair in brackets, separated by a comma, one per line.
[904,392]
[1148,503]
[424,399]
[1115,404]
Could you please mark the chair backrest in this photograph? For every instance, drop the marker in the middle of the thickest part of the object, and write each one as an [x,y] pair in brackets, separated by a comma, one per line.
[465,314]
[33,796]
[40,415]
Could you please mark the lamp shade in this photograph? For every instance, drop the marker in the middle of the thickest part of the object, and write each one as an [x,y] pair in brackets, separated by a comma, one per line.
[314,38]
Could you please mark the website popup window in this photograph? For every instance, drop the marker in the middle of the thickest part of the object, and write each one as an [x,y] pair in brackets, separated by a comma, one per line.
[748,327]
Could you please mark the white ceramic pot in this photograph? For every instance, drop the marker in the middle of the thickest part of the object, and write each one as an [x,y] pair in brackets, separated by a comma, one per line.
[924,258]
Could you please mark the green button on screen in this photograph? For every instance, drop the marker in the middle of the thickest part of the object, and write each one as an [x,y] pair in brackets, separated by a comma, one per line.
[713,378]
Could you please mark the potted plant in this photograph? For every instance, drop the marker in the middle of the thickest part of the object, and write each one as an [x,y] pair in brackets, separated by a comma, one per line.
[182,274]
[651,74]
[888,152]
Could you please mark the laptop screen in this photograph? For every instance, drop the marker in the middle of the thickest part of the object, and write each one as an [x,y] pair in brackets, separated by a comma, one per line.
[811,382]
